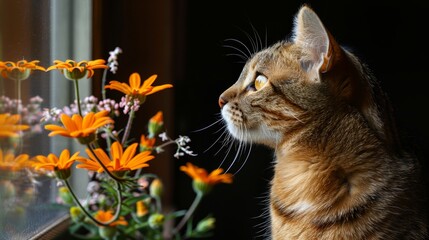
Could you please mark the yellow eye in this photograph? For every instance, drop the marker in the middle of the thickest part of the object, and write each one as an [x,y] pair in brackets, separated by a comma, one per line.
[260,81]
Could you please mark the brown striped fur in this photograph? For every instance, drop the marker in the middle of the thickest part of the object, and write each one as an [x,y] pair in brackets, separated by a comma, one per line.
[339,171]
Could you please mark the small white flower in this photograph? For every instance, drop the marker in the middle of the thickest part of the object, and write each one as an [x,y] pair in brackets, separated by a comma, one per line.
[93,186]
[178,155]
[163,136]
[113,59]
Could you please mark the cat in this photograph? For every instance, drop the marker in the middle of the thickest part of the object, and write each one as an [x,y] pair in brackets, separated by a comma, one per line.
[339,169]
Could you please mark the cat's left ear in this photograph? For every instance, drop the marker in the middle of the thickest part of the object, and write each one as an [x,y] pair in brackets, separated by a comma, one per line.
[310,33]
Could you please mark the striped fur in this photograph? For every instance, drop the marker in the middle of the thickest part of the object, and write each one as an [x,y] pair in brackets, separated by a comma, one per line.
[339,169]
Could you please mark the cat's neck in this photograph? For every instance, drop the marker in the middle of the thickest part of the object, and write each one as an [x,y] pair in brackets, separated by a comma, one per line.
[342,129]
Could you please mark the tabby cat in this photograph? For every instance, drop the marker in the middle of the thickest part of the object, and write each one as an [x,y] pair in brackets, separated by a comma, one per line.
[339,170]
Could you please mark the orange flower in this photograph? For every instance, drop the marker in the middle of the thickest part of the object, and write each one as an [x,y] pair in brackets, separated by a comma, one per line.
[10,162]
[120,161]
[105,216]
[76,70]
[20,70]
[146,144]
[52,162]
[201,175]
[155,124]
[141,209]
[9,126]
[157,118]
[80,128]
[61,166]
[135,88]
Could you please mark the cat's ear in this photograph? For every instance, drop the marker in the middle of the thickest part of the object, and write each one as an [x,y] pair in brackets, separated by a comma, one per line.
[310,33]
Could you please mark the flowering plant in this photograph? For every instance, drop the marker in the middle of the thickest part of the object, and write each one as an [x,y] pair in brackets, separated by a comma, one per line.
[124,201]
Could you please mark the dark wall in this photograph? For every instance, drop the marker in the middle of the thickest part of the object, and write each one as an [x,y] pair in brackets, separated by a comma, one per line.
[186,42]
[387,36]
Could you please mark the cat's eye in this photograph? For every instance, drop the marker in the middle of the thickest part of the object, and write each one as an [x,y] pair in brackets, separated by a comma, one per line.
[260,81]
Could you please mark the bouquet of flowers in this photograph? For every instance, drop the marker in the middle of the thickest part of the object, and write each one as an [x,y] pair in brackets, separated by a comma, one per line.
[124,201]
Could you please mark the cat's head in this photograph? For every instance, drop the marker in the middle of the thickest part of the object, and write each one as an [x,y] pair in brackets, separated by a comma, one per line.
[285,85]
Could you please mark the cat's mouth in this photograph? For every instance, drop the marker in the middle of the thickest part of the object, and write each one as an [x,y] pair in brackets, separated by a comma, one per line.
[242,131]
[234,120]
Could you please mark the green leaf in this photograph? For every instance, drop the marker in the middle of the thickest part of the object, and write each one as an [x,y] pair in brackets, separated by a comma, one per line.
[133,200]
[176,214]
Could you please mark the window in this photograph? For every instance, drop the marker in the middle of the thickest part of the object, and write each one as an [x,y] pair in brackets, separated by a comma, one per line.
[44,31]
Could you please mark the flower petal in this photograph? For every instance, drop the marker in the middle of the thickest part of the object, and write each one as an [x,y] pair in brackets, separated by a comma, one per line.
[159,88]
[135,81]
[129,153]
[148,82]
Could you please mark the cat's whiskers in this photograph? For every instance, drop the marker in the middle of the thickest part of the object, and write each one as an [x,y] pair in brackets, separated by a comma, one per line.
[244,55]
[230,142]
[210,125]
[237,154]
[248,153]
[252,41]
[241,148]
[227,141]
[257,40]
[241,54]
[264,227]
[217,140]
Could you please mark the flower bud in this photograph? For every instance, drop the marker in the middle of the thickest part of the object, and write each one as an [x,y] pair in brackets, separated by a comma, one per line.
[62,174]
[76,214]
[86,140]
[156,188]
[65,195]
[18,75]
[146,144]
[155,124]
[201,187]
[206,225]
[142,209]
[156,220]
[75,74]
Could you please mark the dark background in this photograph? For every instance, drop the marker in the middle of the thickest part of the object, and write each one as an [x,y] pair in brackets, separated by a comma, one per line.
[184,42]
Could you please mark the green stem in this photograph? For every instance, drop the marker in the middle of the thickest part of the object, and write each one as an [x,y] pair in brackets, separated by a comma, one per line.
[128,127]
[20,143]
[136,227]
[18,93]
[158,204]
[103,83]
[189,213]
[108,140]
[169,142]
[118,207]
[76,89]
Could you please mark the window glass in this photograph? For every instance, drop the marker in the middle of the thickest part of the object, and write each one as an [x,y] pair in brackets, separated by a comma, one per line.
[40,31]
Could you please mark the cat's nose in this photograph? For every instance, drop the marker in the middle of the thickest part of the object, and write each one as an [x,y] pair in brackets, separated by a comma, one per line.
[222,102]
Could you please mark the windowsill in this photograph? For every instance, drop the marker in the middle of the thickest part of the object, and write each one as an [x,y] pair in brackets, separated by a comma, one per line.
[55,230]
